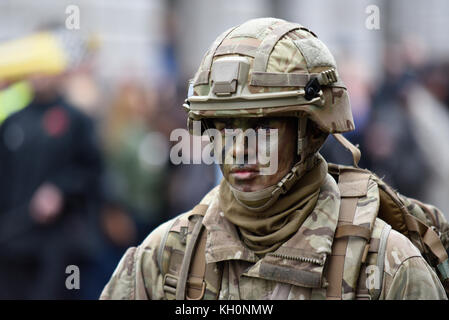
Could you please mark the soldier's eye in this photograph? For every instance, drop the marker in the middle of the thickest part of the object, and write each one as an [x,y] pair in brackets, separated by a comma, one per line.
[222,127]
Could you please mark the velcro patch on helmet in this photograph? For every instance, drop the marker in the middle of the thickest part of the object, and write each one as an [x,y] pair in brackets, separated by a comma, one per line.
[227,73]
[315,53]
[224,77]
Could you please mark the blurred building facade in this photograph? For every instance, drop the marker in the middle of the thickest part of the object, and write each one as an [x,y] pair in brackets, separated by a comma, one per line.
[133,33]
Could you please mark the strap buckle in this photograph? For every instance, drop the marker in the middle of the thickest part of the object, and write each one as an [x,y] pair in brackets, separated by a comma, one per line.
[195,286]
[282,185]
[170,283]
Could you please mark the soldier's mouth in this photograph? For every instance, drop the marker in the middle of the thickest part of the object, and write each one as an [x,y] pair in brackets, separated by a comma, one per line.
[244,173]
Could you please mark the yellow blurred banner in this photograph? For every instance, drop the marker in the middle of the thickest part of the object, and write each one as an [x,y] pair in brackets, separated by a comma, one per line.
[37,53]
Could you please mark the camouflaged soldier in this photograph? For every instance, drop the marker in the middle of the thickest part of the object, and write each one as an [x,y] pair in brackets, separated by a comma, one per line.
[312,230]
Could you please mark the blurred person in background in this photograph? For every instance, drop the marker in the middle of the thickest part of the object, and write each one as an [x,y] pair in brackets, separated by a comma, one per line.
[137,157]
[428,107]
[50,169]
[184,189]
[401,126]
[390,145]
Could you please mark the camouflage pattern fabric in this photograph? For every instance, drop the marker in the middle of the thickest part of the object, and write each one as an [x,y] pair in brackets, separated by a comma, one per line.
[297,53]
[293,271]
[430,215]
[250,60]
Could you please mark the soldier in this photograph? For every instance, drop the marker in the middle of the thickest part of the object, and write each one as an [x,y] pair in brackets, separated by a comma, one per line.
[311,230]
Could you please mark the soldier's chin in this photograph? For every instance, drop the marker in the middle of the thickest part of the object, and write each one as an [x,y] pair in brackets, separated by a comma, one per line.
[245,187]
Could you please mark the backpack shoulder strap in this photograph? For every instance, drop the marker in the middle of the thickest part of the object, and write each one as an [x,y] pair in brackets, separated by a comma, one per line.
[353,233]
[182,259]
[370,280]
[160,253]
[196,280]
[185,234]
[186,262]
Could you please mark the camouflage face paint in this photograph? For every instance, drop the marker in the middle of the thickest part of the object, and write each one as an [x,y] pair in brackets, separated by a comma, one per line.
[239,164]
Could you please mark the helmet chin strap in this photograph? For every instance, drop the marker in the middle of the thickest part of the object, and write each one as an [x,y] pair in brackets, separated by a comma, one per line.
[273,192]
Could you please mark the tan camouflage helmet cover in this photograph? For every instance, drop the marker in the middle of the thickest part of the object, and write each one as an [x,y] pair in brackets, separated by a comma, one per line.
[270,67]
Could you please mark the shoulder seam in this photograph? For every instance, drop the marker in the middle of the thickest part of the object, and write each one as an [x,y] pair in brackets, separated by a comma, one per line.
[402,263]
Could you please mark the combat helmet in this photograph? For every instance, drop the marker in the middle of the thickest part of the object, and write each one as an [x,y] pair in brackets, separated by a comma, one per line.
[269,67]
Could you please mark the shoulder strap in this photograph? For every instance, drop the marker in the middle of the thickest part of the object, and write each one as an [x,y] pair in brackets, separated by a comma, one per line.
[185,266]
[355,152]
[160,253]
[432,243]
[353,234]
[196,284]
[370,280]
[189,275]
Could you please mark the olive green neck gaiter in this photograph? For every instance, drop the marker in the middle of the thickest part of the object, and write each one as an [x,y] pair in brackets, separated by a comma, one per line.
[265,231]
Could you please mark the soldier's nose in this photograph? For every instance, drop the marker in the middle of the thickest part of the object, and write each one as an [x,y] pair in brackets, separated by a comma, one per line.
[245,148]
[240,146]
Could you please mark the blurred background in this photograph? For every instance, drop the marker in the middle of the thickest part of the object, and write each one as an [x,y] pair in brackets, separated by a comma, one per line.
[84,146]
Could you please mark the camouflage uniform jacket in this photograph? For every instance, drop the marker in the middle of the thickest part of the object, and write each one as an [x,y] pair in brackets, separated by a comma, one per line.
[296,270]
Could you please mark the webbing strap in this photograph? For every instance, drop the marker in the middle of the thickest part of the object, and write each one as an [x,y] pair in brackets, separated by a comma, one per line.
[263,52]
[162,245]
[277,79]
[428,236]
[335,271]
[203,76]
[350,230]
[246,46]
[271,79]
[190,274]
[185,266]
[352,185]
[433,242]
[356,154]
[199,209]
[196,285]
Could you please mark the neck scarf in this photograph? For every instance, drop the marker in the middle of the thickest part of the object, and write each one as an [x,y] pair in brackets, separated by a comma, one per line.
[265,231]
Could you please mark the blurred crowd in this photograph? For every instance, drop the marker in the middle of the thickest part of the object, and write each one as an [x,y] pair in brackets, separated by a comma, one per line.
[402,123]
[85,170]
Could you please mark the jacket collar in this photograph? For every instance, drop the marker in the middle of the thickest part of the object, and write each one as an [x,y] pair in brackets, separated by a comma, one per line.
[299,261]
